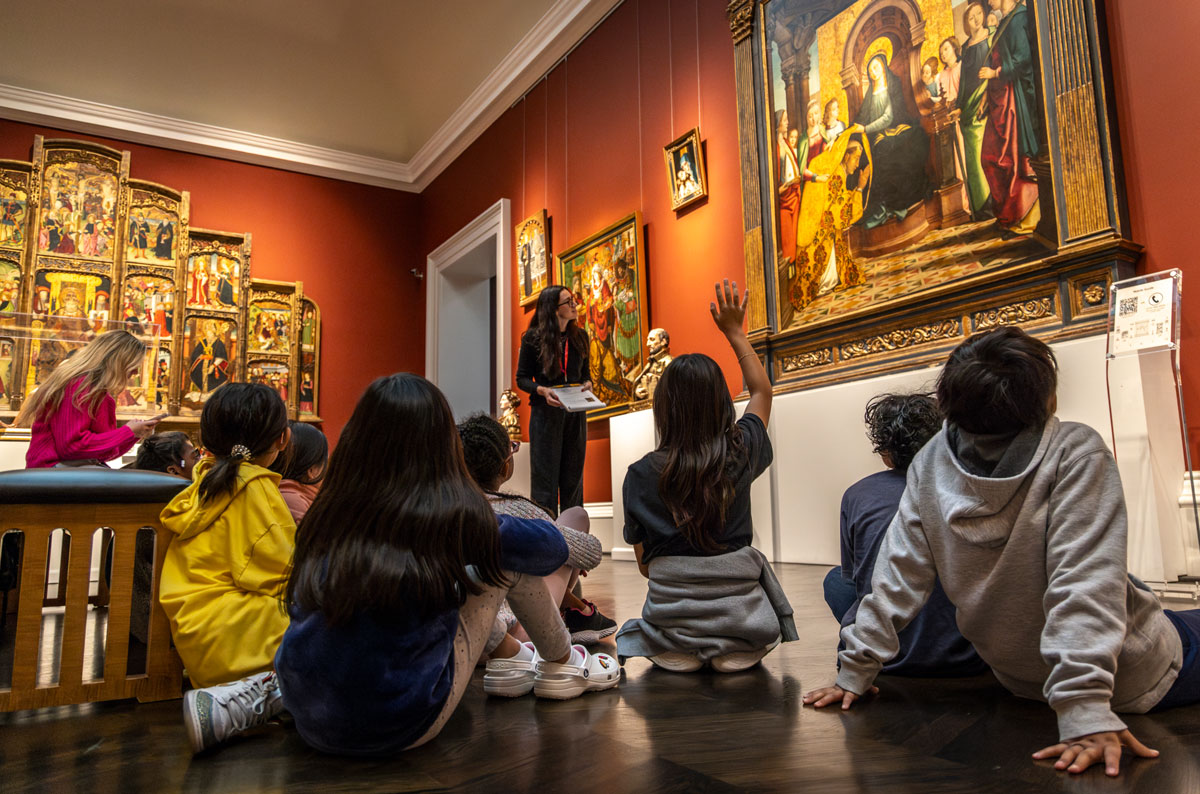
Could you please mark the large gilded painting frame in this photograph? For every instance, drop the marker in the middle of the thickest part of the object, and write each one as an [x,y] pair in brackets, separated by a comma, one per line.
[272,338]
[871,240]
[606,272]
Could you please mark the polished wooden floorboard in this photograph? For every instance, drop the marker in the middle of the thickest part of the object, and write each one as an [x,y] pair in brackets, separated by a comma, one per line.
[658,731]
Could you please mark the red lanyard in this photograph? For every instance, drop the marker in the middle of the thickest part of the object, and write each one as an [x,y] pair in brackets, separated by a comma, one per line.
[564,364]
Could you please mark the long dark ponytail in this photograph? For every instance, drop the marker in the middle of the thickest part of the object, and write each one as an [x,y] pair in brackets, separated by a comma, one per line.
[544,330]
[248,415]
[702,445]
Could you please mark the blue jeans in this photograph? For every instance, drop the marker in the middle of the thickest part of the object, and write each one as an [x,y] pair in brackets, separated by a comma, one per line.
[840,593]
[1186,689]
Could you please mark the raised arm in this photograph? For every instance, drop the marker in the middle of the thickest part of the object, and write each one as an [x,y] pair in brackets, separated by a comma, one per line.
[729,313]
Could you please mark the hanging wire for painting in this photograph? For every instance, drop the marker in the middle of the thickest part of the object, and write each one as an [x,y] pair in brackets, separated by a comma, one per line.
[670,69]
[641,167]
[524,161]
[574,46]
[698,124]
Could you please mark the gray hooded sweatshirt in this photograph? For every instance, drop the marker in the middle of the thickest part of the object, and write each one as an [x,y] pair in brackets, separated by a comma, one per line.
[1035,564]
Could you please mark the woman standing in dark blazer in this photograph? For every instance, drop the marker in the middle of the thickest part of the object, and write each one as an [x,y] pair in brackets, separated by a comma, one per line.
[554,352]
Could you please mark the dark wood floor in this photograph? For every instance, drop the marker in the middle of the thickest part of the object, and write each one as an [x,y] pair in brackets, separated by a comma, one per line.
[658,732]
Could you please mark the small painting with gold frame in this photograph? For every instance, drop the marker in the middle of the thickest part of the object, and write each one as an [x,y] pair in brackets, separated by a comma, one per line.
[532,237]
[686,178]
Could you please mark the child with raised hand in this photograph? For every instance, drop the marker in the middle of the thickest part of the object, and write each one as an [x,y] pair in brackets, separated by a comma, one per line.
[72,415]
[399,571]
[713,598]
[1022,518]
[488,452]
[301,468]
[223,578]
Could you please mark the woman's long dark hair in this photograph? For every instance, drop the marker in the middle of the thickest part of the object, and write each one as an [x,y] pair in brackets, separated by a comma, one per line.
[309,448]
[249,414]
[544,328]
[703,448]
[399,517]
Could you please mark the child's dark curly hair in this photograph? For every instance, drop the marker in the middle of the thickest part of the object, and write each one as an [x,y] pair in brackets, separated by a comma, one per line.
[485,448]
[898,425]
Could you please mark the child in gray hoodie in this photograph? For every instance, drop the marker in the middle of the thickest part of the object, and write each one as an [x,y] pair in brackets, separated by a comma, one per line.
[1022,518]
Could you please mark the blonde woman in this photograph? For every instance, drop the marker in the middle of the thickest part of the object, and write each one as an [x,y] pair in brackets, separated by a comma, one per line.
[73,414]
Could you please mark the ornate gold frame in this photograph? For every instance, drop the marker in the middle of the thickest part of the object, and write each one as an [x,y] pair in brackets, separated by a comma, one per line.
[541,219]
[1057,297]
[691,136]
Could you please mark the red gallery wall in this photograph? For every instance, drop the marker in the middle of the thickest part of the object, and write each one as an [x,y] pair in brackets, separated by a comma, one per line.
[586,143]
[350,244]
[1159,120]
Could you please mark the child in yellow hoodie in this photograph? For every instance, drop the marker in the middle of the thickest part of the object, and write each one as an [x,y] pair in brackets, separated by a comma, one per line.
[225,571]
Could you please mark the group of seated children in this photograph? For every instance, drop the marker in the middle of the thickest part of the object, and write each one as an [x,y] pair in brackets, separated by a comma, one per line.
[995,538]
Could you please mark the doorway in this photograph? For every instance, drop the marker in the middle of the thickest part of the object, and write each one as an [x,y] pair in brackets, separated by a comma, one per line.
[468,336]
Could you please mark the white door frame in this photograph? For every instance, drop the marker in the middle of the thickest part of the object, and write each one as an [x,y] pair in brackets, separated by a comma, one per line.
[495,221]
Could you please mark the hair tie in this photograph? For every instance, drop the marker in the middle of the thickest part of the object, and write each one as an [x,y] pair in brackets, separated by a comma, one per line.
[240,451]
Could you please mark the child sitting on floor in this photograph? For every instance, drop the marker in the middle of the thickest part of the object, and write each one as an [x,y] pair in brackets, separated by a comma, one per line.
[301,468]
[399,572]
[712,596]
[1022,518]
[898,426]
[223,578]
[489,455]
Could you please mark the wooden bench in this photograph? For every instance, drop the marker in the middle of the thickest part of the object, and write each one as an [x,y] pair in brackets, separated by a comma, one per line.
[36,502]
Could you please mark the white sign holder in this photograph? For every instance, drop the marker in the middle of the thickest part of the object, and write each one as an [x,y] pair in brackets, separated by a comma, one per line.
[1149,424]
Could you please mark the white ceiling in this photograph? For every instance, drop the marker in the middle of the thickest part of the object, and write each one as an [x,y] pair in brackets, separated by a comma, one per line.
[383,91]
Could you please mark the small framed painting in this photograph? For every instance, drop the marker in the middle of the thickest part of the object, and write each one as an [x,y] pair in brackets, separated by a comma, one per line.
[533,257]
[684,157]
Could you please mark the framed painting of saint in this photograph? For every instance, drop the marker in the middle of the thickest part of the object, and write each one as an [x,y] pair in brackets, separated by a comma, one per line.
[309,385]
[80,199]
[607,275]
[14,204]
[148,303]
[532,237]
[8,348]
[272,373]
[907,157]
[686,177]
[212,350]
[155,228]
[10,286]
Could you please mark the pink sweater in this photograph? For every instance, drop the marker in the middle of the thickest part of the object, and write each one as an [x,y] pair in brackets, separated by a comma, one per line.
[70,433]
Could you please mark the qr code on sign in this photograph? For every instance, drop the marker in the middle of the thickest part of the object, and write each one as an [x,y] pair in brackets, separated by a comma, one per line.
[1128,306]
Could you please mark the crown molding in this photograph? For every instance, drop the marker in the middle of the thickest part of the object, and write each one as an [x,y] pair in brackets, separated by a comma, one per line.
[558,32]
[555,34]
[135,126]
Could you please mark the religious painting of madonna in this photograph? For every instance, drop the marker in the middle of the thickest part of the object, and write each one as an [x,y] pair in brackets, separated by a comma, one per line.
[607,275]
[902,150]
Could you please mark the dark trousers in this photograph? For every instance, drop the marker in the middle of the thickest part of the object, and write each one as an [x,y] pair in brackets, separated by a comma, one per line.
[557,443]
[840,593]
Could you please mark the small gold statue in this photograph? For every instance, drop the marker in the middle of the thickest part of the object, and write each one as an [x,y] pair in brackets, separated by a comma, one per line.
[509,418]
[658,343]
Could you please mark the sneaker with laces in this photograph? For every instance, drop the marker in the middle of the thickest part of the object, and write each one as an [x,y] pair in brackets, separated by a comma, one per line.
[588,627]
[216,713]
[512,677]
[583,672]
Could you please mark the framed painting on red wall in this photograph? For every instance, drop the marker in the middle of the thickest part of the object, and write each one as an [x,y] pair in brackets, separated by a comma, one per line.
[915,171]
[532,237]
[607,275]
[686,178]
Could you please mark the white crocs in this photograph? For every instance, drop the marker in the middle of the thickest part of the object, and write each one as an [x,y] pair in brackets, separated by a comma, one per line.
[585,672]
[513,677]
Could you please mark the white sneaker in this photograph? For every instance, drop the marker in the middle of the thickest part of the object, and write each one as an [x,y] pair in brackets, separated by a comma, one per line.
[216,713]
[512,677]
[741,660]
[583,672]
[677,662]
